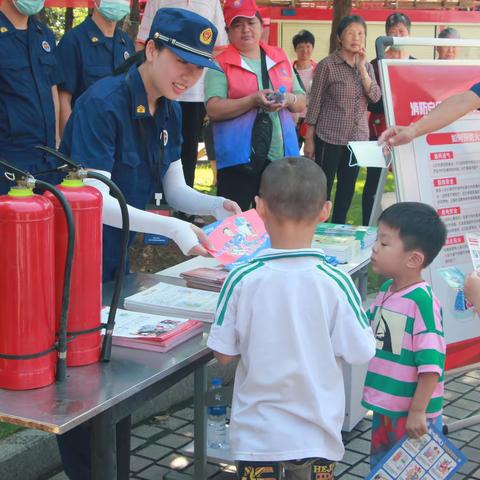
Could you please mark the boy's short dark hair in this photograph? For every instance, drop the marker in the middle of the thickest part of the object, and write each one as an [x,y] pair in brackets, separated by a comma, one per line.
[419,227]
[294,188]
[303,36]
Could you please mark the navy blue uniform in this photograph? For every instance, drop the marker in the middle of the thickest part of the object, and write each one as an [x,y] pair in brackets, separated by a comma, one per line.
[476,88]
[28,71]
[87,55]
[111,129]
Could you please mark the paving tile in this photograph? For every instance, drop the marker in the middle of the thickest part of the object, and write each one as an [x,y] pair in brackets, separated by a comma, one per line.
[363,425]
[470,405]
[469,380]
[347,436]
[456,412]
[359,445]
[186,413]
[450,395]
[468,467]
[353,457]
[463,435]
[146,431]
[173,440]
[225,476]
[175,461]
[475,474]
[473,454]
[155,472]
[349,476]
[362,469]
[187,430]
[154,451]
[473,395]
[138,463]
[213,470]
[340,468]
[168,422]
[458,387]
[473,373]
[136,442]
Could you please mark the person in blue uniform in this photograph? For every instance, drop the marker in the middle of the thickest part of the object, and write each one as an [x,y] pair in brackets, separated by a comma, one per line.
[29,75]
[91,51]
[129,127]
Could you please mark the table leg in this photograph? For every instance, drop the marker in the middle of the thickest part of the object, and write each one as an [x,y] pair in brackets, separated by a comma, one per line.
[103,444]
[200,422]
[124,428]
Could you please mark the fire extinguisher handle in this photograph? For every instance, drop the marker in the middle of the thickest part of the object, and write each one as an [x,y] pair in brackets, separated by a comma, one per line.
[15,173]
[71,164]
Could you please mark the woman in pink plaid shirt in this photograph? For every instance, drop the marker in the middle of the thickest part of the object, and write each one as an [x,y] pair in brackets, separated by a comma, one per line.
[343,85]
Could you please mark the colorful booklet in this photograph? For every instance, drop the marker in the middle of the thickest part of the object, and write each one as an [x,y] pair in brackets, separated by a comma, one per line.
[166,299]
[151,332]
[206,278]
[238,238]
[432,457]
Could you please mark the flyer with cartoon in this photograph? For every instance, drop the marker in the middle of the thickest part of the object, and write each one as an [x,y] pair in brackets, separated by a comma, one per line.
[238,238]
[431,457]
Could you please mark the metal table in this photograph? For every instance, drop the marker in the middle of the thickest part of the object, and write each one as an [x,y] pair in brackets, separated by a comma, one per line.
[106,394]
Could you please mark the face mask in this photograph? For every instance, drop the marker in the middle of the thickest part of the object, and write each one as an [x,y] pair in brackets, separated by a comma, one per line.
[114,10]
[29,7]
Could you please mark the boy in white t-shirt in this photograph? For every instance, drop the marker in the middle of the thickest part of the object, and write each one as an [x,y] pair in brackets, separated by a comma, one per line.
[289,317]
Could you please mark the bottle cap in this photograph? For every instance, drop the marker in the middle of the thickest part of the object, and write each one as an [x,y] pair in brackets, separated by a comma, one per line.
[282,89]
[216,382]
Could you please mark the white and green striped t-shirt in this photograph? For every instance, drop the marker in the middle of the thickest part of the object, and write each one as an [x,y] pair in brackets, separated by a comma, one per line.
[291,317]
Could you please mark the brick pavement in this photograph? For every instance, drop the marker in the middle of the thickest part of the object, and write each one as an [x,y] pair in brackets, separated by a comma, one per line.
[157,442]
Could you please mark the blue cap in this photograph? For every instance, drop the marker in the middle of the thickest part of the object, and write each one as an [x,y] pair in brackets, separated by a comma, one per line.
[187,34]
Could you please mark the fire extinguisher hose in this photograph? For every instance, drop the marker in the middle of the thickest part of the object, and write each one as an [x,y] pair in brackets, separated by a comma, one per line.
[120,274]
[62,335]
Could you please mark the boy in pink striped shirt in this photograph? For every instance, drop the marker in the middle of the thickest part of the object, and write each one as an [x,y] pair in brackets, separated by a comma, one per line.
[404,383]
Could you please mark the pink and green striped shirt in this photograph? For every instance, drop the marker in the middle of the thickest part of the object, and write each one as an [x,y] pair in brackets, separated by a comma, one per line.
[408,329]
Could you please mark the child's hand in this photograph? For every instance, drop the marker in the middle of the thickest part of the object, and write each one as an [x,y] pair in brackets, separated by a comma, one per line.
[416,425]
[472,289]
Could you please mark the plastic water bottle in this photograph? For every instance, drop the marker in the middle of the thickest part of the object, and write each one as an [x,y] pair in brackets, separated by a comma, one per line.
[217,414]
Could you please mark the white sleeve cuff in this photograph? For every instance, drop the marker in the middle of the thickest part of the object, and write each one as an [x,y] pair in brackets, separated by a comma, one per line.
[142,221]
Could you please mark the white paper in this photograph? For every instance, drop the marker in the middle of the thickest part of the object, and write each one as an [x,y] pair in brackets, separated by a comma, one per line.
[370,154]
[473,241]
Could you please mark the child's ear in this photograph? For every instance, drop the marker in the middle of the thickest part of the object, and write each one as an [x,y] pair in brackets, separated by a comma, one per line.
[325,212]
[416,259]
[260,207]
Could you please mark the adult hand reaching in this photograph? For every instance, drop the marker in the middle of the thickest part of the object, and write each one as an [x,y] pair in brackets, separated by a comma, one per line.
[395,136]
[204,245]
[232,207]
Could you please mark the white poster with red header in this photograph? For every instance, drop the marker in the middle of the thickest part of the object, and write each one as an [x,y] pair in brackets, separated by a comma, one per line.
[443,170]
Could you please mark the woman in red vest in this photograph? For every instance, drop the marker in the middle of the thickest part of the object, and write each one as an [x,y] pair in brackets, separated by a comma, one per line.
[235,98]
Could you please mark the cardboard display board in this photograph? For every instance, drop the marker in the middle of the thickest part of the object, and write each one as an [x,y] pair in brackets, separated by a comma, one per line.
[441,169]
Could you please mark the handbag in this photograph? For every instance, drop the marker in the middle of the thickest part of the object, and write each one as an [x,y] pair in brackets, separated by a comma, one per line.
[262,131]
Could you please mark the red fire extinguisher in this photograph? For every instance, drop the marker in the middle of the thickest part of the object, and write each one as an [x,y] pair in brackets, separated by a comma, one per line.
[86,289]
[27,283]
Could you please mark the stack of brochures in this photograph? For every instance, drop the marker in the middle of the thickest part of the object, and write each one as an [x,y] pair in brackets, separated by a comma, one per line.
[344,249]
[365,235]
[151,332]
[166,299]
[343,241]
[206,278]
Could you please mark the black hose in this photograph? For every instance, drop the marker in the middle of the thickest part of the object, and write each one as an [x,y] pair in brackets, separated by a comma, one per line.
[67,280]
[120,273]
